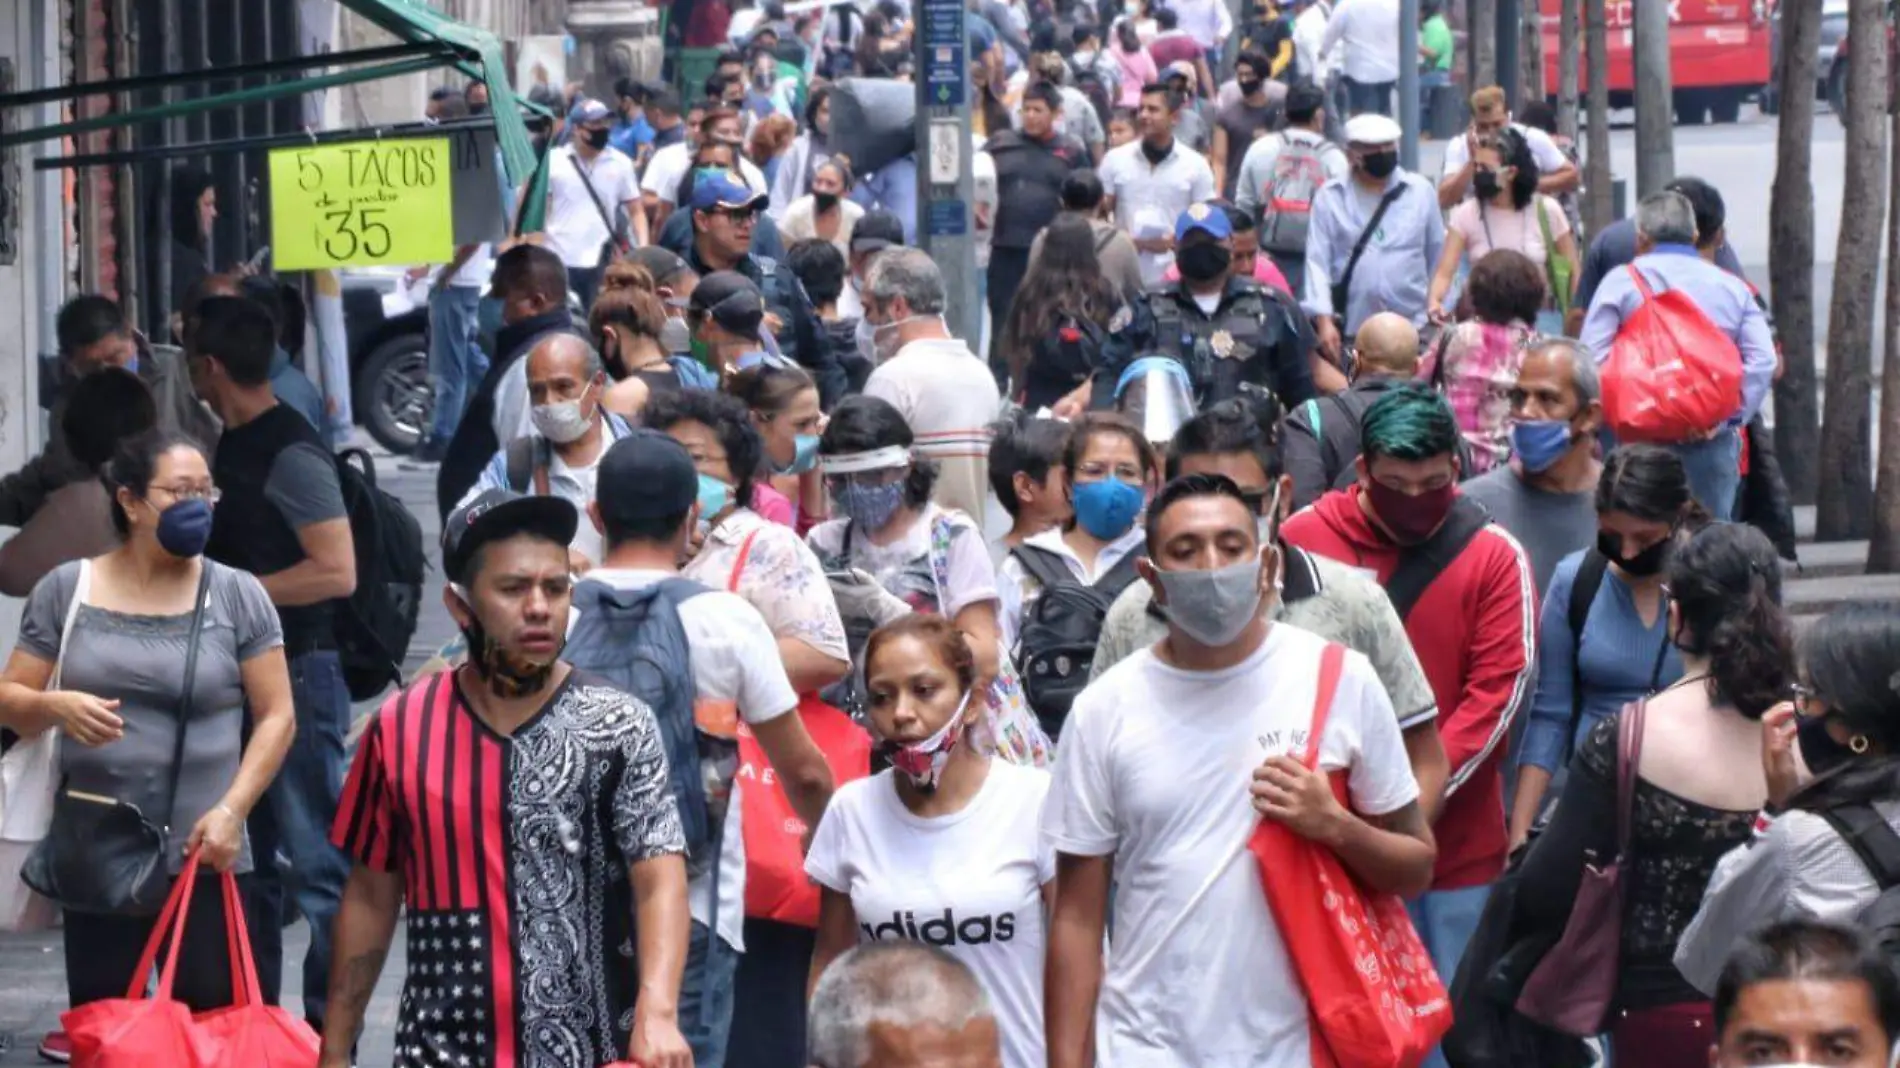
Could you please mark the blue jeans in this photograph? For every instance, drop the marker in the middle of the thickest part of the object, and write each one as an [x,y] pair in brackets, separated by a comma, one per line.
[1445,920]
[1363,97]
[456,362]
[1714,468]
[706,996]
[295,820]
[1428,82]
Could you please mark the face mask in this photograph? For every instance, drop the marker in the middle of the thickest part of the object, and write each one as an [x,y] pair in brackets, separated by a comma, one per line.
[1203,263]
[1379,164]
[184,529]
[1540,443]
[1155,155]
[478,109]
[596,138]
[563,422]
[824,201]
[1213,607]
[804,456]
[871,507]
[1486,184]
[885,340]
[675,336]
[1107,508]
[1819,750]
[714,495]
[923,762]
[1411,519]
[1248,86]
[508,675]
[866,336]
[1648,562]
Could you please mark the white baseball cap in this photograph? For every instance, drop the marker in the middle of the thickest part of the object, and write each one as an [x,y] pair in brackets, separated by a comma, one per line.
[1372,129]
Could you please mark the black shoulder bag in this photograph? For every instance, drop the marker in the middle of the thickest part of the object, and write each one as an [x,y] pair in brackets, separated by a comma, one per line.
[1342,289]
[106,855]
[1420,565]
[616,245]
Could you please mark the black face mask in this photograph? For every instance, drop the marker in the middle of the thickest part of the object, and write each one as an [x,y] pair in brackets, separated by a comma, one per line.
[1486,184]
[596,138]
[1380,164]
[478,109]
[825,201]
[1203,263]
[1156,155]
[1648,562]
[1248,86]
[1819,750]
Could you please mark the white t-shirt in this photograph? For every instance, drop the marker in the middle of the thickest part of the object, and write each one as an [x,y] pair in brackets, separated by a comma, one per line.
[1149,198]
[902,566]
[970,883]
[735,662]
[575,227]
[1549,157]
[475,274]
[949,398]
[1154,770]
[668,168]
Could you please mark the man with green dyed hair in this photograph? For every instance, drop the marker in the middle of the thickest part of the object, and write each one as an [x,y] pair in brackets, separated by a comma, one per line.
[1463,587]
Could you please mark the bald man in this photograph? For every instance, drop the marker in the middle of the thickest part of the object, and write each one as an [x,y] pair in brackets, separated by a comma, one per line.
[565,381]
[1320,438]
[902,1005]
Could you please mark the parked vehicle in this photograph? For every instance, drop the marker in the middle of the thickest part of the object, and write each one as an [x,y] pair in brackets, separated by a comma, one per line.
[1836,70]
[1719,55]
[1833,31]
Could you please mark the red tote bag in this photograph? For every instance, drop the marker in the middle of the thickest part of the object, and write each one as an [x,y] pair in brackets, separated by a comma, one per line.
[250,1033]
[1672,375]
[140,1032]
[1375,1000]
[776,886]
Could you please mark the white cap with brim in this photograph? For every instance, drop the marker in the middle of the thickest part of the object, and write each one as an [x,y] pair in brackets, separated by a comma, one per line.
[1372,130]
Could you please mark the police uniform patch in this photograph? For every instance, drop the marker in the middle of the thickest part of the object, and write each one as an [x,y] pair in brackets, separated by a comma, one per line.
[1222,343]
[1120,320]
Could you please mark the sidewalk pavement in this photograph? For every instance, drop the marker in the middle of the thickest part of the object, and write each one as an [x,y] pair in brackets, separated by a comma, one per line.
[32,967]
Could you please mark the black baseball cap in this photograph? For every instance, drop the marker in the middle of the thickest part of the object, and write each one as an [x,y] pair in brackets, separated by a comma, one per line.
[645,475]
[731,300]
[498,514]
[876,231]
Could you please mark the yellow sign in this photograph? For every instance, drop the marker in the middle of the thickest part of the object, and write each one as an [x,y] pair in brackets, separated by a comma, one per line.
[368,203]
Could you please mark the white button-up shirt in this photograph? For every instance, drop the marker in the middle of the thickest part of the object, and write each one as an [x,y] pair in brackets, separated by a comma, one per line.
[576,228]
[1149,198]
[1370,32]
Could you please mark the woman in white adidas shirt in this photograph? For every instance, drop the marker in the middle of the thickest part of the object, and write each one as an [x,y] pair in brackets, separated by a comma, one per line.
[942,847]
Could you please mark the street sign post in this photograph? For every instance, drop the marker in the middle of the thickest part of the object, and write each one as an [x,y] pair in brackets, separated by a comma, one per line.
[945,186]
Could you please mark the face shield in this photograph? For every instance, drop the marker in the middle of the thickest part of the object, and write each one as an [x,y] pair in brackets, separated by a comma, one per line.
[1154,394]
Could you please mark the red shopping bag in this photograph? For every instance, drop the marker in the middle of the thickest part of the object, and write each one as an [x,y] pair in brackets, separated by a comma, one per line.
[1375,1000]
[140,1032]
[776,886]
[1671,375]
[250,1033]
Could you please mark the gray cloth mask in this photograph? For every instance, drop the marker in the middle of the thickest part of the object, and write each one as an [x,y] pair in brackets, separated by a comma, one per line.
[1213,607]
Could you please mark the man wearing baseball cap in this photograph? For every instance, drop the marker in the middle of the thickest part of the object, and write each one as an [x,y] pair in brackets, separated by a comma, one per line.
[650,502]
[555,778]
[1371,245]
[1225,329]
[876,231]
[590,183]
[727,316]
[725,211]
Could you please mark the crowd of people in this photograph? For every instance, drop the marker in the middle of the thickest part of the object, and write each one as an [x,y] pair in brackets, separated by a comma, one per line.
[835,690]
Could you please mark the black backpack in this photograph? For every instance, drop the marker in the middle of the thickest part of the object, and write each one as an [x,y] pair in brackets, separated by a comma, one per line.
[1055,646]
[1878,847]
[1063,359]
[375,623]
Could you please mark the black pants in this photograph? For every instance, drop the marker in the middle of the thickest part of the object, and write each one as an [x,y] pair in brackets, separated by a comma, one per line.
[771,986]
[102,951]
[1007,268]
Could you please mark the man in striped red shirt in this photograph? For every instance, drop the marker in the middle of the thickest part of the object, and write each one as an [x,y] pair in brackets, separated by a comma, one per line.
[520,810]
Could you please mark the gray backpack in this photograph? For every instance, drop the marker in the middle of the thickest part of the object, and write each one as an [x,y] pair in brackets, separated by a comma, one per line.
[1286,204]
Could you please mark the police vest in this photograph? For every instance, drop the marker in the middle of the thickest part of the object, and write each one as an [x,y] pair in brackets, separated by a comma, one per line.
[1232,346]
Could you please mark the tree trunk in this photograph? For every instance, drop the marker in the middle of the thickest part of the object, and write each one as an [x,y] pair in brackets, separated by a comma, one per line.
[1844,501]
[1484,43]
[1883,551]
[1599,208]
[1791,252]
[1569,44]
[1530,35]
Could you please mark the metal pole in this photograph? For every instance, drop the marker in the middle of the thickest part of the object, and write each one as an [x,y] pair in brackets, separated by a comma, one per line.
[1409,117]
[1655,108]
[946,189]
[1510,35]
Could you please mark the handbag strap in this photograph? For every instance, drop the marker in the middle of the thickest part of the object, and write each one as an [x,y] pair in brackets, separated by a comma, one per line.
[738,566]
[1332,663]
[1642,283]
[1629,760]
[612,221]
[184,696]
[1365,238]
[237,936]
[82,587]
[171,920]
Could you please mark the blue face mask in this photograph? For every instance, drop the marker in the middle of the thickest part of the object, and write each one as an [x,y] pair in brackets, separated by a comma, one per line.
[804,456]
[871,507]
[714,495]
[1540,443]
[1107,508]
[184,529]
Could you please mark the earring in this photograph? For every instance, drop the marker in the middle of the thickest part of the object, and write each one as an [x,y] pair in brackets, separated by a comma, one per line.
[1858,744]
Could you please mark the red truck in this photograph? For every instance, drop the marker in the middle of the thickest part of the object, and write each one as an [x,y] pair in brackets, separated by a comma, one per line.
[1719,54]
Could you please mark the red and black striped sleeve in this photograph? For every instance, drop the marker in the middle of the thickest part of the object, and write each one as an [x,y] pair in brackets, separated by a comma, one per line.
[368,826]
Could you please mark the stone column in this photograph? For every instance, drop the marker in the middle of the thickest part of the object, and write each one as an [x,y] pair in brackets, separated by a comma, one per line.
[614,39]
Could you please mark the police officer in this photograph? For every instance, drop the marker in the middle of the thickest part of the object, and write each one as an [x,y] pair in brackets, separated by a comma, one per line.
[725,212]
[1225,329]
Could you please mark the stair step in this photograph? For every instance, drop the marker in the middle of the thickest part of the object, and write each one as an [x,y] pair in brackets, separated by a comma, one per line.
[1827,559]
[1814,596]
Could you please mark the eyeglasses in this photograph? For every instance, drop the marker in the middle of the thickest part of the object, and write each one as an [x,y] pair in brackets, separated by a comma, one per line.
[209,494]
[738,216]
[1806,702]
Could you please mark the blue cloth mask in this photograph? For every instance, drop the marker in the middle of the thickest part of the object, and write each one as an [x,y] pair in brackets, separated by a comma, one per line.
[714,495]
[1107,508]
[184,529]
[804,456]
[871,507]
[1540,443]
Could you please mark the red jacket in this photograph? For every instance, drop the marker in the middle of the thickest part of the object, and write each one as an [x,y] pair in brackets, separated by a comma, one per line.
[1475,632]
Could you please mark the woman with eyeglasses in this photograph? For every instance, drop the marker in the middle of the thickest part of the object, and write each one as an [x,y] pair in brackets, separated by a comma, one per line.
[1698,788]
[1604,637]
[1831,755]
[151,662]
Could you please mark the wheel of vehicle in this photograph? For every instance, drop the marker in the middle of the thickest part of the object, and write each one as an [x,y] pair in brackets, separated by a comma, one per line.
[394,395]
[1727,108]
[1692,107]
[1770,101]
